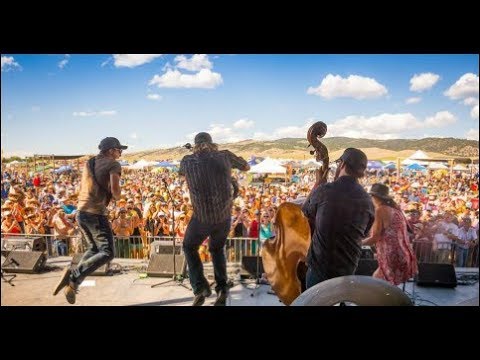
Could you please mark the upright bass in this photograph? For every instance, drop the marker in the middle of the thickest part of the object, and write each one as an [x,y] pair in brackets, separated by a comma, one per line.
[284,256]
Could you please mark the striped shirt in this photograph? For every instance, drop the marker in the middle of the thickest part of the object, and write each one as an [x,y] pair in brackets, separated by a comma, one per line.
[209,179]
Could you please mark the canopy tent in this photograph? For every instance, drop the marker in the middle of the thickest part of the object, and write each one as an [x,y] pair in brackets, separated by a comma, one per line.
[390,166]
[416,167]
[459,167]
[374,165]
[141,164]
[311,164]
[253,161]
[164,164]
[418,157]
[437,166]
[268,166]
[63,169]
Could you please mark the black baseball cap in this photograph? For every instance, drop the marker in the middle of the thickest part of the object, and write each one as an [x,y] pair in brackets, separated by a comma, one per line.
[111,143]
[356,158]
[203,137]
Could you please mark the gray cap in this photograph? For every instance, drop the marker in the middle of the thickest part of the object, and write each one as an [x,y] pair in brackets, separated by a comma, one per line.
[111,143]
[203,137]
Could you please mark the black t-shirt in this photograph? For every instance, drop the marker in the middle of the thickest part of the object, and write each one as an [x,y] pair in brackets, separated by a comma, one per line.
[343,214]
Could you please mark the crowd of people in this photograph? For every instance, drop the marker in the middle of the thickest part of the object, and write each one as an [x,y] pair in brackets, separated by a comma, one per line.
[442,210]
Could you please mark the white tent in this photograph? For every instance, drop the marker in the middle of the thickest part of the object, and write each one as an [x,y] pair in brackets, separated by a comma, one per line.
[437,166]
[268,166]
[142,164]
[459,167]
[418,157]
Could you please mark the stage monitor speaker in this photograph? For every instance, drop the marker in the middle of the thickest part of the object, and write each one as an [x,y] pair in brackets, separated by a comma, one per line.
[164,247]
[28,262]
[438,275]
[103,270]
[24,244]
[249,264]
[161,265]
[366,267]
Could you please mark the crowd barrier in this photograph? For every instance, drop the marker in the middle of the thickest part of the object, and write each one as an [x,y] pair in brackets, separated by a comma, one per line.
[140,247]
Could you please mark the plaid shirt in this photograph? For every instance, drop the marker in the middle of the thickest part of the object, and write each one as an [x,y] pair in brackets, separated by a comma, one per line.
[209,179]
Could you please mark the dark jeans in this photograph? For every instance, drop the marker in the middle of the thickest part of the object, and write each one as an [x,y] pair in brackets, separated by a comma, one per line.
[98,233]
[313,278]
[194,235]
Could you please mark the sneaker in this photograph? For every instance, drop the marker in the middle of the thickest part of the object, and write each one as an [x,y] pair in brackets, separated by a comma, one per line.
[64,281]
[200,297]
[221,298]
[71,293]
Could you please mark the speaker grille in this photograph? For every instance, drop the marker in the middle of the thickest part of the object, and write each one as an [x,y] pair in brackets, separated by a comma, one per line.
[101,271]
[28,262]
[161,265]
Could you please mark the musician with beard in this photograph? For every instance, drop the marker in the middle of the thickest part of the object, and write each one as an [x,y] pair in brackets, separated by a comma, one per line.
[341,214]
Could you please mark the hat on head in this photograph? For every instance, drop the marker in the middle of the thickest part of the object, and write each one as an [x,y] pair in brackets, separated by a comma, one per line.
[111,143]
[203,137]
[355,158]
[381,191]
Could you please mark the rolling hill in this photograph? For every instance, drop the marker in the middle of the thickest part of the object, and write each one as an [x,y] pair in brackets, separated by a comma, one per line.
[296,148]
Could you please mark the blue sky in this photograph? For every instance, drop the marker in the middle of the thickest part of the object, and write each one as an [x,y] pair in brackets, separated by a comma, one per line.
[65,104]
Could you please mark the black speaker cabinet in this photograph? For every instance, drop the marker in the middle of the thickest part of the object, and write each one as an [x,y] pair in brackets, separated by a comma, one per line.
[249,264]
[366,267]
[28,262]
[161,265]
[103,270]
[438,275]
[24,244]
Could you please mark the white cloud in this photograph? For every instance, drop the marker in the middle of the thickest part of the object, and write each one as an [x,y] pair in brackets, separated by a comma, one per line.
[133,60]
[474,112]
[35,108]
[440,119]
[195,63]
[155,97]
[413,100]
[263,136]
[205,79]
[383,126]
[470,101]
[220,134]
[9,63]
[472,134]
[466,86]
[64,62]
[355,86]
[424,81]
[243,124]
[134,135]
[95,113]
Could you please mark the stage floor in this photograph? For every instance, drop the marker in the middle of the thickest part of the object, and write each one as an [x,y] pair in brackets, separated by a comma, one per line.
[130,287]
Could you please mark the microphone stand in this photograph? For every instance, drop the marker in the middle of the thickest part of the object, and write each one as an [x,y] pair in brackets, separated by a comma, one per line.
[177,279]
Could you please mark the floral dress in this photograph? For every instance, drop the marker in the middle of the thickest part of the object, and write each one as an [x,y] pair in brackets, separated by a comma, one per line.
[396,260]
